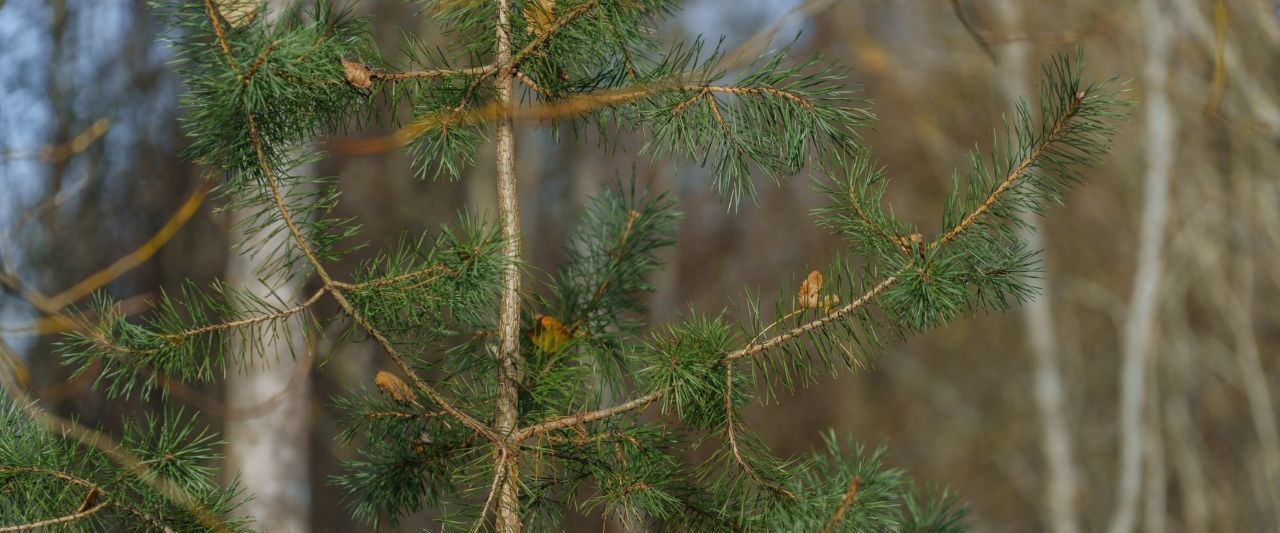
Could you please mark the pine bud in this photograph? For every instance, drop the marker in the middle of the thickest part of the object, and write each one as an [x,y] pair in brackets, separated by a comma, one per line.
[358,74]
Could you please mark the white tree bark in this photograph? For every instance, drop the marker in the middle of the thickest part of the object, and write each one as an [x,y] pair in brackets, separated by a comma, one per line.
[268,426]
[268,431]
[1136,344]
[1061,486]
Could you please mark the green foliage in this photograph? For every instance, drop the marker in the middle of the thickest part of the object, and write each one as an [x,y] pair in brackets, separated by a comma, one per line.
[45,476]
[259,91]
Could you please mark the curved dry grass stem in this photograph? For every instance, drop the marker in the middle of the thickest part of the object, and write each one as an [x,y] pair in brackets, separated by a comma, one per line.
[137,257]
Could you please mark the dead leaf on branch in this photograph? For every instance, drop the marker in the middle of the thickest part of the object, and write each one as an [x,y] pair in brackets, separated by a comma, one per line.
[549,334]
[809,295]
[393,387]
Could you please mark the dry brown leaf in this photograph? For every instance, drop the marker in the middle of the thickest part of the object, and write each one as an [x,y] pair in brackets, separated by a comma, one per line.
[393,387]
[549,335]
[359,75]
[540,16]
[808,296]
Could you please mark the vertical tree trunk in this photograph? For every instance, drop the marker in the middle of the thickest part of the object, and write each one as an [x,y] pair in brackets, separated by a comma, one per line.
[506,465]
[1060,485]
[268,423]
[1160,151]
[268,428]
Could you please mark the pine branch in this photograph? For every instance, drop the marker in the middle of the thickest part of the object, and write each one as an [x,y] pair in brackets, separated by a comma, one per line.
[346,306]
[1056,131]
[849,496]
[433,74]
[56,521]
[215,19]
[735,450]
[104,499]
[1069,124]
[213,328]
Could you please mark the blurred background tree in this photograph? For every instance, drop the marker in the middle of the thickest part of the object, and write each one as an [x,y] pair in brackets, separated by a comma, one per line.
[1195,346]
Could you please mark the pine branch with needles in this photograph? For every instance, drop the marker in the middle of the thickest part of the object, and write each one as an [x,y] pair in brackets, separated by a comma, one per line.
[516,399]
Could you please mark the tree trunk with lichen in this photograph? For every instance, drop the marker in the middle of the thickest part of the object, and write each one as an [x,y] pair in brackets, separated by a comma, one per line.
[506,466]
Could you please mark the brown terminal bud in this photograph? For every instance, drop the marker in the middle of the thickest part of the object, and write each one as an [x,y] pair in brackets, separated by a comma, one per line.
[359,75]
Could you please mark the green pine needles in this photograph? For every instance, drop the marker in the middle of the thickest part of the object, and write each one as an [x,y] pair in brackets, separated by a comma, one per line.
[511,405]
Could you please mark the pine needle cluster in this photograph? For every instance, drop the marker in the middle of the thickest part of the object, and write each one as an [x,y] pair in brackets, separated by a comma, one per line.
[608,407]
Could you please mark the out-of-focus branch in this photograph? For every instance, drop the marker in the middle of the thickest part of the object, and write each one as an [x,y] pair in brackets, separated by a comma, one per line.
[1161,150]
[1260,100]
[139,256]
[1061,487]
[108,446]
[59,152]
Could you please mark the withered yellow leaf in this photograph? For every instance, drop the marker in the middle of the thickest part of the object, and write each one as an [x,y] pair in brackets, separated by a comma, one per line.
[393,387]
[549,334]
[808,295]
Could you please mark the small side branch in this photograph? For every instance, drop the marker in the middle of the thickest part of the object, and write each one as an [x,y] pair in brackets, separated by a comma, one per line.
[215,19]
[731,433]
[850,496]
[1055,134]
[798,331]
[59,520]
[212,328]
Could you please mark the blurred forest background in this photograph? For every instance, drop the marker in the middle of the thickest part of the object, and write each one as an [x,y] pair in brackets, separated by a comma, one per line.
[1136,392]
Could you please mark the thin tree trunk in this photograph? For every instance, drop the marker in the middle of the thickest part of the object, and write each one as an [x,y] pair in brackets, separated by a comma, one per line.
[1156,508]
[1253,376]
[506,465]
[268,448]
[1061,486]
[1184,439]
[1160,151]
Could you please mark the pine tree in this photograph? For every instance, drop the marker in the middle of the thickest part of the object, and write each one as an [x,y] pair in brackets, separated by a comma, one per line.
[505,409]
